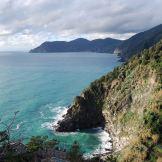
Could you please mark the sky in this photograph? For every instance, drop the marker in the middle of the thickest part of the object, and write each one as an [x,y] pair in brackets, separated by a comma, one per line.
[25,24]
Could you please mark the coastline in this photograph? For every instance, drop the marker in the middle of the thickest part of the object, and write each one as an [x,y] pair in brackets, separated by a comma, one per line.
[105,146]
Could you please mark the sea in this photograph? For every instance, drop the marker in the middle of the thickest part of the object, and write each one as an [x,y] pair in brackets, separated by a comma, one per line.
[41,86]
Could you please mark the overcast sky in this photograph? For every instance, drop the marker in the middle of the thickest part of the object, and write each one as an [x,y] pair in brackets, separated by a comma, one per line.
[25,24]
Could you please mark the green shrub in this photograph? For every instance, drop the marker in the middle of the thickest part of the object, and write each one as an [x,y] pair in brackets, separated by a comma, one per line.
[127,116]
[151,119]
[40,143]
[75,154]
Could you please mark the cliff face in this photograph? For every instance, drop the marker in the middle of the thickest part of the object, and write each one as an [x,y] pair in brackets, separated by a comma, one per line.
[127,102]
[80,116]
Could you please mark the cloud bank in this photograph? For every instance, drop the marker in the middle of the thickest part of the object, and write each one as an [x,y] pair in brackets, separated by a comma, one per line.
[26,24]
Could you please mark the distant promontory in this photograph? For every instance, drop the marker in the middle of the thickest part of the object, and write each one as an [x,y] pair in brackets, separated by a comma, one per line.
[79,45]
[124,48]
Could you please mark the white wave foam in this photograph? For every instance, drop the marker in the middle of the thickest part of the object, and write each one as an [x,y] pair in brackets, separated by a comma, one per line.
[58,112]
[104,147]
[105,140]
[18,125]
[48,125]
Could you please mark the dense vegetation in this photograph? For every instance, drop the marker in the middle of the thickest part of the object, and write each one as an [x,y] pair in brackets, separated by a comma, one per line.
[144,118]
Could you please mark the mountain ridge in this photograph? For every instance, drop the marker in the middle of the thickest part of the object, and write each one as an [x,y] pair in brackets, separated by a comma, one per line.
[124,48]
[78,45]
[139,42]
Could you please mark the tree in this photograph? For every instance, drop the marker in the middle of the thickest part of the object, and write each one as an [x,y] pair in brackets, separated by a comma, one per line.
[40,143]
[75,153]
[5,135]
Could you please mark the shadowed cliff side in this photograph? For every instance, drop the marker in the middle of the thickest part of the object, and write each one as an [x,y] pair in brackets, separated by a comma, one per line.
[84,109]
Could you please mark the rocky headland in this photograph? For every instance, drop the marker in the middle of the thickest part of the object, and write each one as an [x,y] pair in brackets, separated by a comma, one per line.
[127,103]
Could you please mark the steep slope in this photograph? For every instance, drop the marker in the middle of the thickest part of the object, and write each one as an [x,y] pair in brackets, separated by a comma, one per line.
[126,102]
[79,45]
[139,42]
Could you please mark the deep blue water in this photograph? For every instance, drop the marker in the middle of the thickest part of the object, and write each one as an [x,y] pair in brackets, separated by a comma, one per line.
[41,86]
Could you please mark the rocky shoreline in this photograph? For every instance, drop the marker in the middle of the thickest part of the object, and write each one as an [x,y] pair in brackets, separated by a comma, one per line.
[123,102]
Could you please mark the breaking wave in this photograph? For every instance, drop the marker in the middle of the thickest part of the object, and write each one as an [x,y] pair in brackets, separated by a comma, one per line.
[58,113]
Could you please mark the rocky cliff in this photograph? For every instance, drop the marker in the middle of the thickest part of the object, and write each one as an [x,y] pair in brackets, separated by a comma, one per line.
[126,102]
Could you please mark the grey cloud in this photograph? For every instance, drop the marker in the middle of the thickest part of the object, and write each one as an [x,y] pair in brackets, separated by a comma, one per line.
[64,19]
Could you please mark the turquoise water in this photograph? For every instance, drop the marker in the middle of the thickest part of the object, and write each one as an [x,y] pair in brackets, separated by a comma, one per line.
[41,86]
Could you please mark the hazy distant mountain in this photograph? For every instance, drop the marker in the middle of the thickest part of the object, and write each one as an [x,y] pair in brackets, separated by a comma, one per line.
[138,42]
[79,45]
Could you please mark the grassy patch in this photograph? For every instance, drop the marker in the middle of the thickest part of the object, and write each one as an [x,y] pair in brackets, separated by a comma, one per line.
[127,116]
